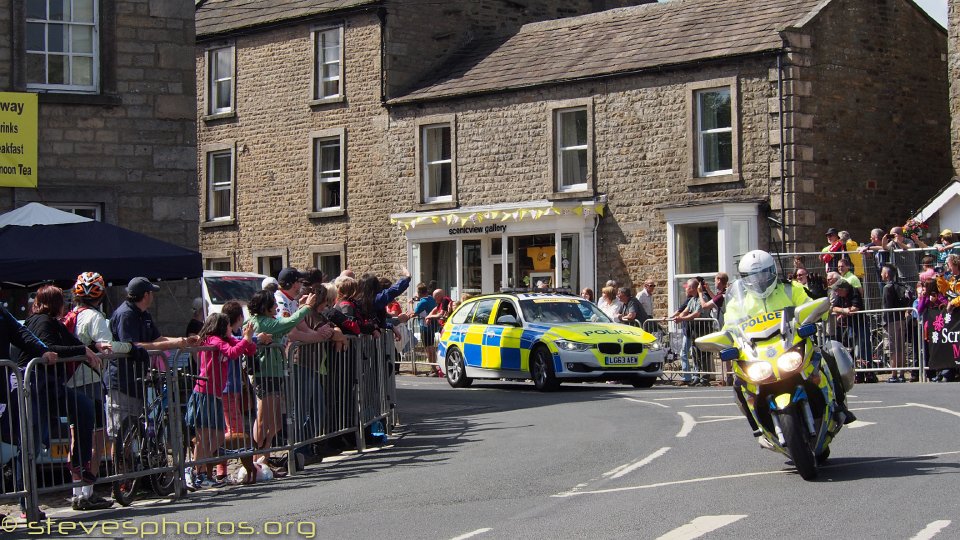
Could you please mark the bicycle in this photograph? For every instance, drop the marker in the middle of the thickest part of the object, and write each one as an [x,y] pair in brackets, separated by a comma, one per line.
[144,443]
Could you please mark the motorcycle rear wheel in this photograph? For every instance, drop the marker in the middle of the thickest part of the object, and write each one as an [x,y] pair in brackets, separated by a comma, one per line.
[800,451]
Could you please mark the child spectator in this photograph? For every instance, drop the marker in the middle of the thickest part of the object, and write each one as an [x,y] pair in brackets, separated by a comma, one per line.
[205,408]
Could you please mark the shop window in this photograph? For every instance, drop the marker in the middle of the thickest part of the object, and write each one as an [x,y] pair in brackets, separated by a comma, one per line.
[472,271]
[438,264]
[62,45]
[535,260]
[570,261]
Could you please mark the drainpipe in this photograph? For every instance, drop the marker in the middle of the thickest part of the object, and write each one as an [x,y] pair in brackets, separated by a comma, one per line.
[783,158]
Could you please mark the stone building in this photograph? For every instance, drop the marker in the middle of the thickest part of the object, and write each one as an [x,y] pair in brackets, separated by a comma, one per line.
[292,124]
[655,140]
[117,116]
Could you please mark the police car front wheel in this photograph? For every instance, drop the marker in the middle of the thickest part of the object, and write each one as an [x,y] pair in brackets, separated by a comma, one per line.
[455,369]
[541,370]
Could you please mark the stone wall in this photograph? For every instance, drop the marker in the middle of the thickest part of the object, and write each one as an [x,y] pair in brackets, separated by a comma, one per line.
[870,100]
[271,131]
[132,148]
[419,38]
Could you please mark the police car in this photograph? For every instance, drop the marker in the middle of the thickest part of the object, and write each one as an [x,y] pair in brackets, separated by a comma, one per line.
[549,338]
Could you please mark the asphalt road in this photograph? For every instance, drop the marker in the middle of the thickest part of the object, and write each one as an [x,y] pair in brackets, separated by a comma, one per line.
[608,461]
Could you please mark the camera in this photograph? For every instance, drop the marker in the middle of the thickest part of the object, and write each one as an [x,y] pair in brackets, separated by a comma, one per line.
[700,279]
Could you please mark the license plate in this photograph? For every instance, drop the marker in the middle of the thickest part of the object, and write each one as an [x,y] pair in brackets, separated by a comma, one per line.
[621,360]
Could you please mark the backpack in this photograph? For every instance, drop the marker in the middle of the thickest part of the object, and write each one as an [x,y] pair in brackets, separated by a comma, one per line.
[70,319]
[905,295]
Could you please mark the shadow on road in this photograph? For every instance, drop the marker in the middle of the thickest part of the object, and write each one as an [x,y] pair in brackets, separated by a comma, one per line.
[851,469]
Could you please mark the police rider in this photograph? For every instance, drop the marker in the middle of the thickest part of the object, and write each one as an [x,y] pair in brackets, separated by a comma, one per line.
[759,291]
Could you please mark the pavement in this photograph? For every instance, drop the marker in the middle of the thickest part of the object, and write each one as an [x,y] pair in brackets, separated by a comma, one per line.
[500,460]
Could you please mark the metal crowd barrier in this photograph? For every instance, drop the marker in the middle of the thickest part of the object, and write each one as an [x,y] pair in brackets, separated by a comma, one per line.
[672,336]
[887,340]
[14,485]
[309,393]
[419,347]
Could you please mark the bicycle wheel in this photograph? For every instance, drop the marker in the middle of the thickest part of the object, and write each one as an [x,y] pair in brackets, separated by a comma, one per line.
[161,455]
[127,459]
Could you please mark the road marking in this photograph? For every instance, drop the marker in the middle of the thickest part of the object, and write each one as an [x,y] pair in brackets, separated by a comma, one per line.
[630,467]
[932,408]
[931,530]
[721,419]
[884,407]
[852,402]
[472,534]
[859,424]
[719,396]
[700,526]
[687,427]
[710,405]
[741,475]
[647,402]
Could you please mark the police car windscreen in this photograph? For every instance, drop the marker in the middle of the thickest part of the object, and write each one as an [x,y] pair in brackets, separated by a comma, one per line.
[560,311]
[225,288]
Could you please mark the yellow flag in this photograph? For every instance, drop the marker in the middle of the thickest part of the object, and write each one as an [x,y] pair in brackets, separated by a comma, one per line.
[600,208]
[578,210]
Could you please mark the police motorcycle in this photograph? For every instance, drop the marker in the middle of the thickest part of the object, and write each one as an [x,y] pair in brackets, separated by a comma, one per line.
[787,384]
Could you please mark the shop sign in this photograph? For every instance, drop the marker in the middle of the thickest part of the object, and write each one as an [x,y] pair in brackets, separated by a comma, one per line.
[488,229]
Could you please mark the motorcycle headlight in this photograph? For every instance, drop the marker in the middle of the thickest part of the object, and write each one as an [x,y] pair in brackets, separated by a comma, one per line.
[790,360]
[759,371]
[565,345]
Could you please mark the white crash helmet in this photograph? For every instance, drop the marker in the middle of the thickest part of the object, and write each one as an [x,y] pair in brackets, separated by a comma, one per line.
[758,271]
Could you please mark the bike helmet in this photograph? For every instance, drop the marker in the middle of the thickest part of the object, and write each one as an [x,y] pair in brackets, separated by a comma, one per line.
[89,285]
[758,271]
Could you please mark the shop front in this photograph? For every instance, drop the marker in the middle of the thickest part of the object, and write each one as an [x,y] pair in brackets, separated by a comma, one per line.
[487,249]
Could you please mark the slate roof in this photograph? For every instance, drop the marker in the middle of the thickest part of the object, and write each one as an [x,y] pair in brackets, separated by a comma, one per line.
[616,41]
[221,16]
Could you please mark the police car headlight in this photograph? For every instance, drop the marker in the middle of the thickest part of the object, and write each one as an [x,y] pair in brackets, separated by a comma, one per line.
[790,360]
[655,346]
[759,371]
[565,345]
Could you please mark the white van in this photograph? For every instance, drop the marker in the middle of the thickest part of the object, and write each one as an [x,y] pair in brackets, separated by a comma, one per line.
[221,287]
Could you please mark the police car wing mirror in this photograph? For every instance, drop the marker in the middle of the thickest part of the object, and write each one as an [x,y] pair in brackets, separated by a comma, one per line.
[715,342]
[508,320]
[812,311]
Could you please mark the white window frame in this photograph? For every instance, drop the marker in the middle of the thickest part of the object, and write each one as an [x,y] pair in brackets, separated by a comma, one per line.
[74,207]
[320,59]
[559,149]
[701,165]
[212,263]
[214,77]
[69,55]
[426,163]
[212,187]
[729,218]
[319,256]
[320,182]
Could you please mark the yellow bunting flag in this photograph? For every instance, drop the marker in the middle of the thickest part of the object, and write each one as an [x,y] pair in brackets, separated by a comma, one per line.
[600,208]
[578,210]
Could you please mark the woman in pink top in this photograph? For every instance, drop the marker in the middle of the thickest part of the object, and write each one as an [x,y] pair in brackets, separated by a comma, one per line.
[205,408]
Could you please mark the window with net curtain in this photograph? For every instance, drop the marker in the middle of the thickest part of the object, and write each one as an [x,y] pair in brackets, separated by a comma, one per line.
[572,148]
[327,174]
[327,83]
[62,45]
[714,132]
[219,185]
[220,80]
[437,166]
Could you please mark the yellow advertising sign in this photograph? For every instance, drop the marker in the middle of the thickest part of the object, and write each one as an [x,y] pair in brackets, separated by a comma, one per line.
[18,139]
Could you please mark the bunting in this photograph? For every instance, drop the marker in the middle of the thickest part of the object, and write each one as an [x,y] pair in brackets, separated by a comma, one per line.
[517,215]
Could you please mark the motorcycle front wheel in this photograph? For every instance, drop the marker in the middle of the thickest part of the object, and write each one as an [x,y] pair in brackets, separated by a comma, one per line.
[800,452]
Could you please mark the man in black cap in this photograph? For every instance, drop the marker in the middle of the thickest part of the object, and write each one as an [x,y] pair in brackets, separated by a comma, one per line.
[834,245]
[131,322]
